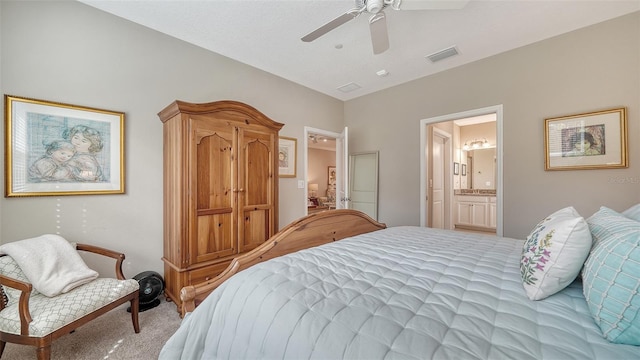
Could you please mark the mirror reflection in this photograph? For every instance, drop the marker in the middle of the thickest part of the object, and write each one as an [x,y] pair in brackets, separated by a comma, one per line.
[481,169]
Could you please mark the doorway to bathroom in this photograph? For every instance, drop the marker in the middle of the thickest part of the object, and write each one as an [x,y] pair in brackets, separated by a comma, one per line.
[449,198]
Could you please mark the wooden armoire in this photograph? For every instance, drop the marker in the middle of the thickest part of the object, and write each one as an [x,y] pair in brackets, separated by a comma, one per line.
[220,188]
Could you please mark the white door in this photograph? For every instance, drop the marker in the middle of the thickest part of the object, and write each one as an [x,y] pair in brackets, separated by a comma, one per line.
[363,185]
[437,181]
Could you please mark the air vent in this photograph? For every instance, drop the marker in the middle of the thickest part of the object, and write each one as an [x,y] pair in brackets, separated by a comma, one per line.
[443,54]
[349,87]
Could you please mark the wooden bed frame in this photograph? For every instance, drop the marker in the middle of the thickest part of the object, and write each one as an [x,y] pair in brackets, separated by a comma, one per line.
[309,231]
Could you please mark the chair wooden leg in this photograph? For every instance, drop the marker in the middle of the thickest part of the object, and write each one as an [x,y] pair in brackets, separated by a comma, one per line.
[44,353]
[135,307]
[2,344]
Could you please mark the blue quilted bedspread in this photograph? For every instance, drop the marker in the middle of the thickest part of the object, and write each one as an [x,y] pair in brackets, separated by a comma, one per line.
[403,292]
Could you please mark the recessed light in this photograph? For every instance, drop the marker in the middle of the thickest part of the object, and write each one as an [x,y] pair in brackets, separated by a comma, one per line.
[382,73]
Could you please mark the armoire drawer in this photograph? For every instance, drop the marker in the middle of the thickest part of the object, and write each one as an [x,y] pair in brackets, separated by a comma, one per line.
[207,273]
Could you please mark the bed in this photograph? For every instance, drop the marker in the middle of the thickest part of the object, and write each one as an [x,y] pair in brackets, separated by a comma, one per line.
[402,292]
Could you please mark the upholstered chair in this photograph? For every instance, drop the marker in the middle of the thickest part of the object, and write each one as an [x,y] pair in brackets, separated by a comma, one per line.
[28,317]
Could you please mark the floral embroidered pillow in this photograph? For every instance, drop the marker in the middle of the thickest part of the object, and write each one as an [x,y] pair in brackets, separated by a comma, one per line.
[554,253]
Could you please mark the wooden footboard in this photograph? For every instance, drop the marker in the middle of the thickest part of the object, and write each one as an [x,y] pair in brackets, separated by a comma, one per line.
[309,231]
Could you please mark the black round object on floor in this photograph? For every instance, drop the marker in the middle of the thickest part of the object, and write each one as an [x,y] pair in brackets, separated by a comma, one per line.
[151,287]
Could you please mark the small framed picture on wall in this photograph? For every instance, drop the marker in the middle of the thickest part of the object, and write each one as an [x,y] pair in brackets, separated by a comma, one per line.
[331,175]
[287,157]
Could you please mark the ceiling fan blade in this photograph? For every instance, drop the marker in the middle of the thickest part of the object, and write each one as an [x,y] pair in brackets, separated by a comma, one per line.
[429,4]
[379,35]
[349,15]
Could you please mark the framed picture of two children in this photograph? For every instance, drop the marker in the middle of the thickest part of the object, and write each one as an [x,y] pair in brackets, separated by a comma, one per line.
[54,149]
[595,140]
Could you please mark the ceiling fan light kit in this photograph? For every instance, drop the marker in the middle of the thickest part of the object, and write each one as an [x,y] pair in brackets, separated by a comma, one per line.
[375,6]
[378,22]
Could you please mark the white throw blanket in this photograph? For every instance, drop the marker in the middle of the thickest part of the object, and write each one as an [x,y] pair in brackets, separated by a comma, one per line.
[51,263]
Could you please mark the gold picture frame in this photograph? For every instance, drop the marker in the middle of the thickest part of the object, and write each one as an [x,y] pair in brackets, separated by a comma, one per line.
[594,140]
[287,157]
[54,149]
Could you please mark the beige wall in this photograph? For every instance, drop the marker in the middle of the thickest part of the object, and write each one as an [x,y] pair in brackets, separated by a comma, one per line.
[590,69]
[69,52]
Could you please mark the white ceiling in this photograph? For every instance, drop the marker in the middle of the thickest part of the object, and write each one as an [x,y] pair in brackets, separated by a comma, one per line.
[266,34]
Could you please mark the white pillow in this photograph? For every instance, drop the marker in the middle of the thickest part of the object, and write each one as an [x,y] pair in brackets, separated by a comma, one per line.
[633,212]
[554,253]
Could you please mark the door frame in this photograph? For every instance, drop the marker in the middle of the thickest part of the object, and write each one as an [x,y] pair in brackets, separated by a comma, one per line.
[495,109]
[340,159]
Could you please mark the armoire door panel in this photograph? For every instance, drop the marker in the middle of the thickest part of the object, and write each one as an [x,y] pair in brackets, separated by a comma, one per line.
[215,234]
[257,174]
[256,166]
[214,172]
[256,228]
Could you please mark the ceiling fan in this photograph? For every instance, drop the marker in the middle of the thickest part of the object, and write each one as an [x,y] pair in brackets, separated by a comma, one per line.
[378,21]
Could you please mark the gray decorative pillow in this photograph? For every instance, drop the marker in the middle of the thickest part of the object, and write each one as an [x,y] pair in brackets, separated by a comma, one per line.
[633,212]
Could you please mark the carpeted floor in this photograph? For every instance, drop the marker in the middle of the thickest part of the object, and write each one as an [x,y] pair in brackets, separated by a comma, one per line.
[111,336]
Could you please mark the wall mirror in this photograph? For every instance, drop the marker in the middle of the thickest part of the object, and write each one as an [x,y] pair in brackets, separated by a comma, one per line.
[363,183]
[481,168]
